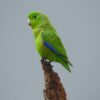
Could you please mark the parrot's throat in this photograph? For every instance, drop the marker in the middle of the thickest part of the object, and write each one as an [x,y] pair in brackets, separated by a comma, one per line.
[36,32]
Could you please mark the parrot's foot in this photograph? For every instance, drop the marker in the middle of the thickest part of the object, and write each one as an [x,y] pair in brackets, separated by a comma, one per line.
[44,60]
[47,62]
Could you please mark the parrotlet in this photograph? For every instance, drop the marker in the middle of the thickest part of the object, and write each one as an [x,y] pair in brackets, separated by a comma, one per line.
[48,43]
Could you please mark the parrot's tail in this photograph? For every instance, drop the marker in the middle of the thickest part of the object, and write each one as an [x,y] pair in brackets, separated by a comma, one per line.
[69,63]
[66,64]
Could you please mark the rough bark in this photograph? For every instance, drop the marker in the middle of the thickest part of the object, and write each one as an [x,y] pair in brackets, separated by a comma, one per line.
[54,89]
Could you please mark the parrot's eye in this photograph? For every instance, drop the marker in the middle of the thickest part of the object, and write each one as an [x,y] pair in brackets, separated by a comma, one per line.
[34,17]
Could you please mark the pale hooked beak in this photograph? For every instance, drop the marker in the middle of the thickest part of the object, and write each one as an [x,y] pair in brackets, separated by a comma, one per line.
[29,23]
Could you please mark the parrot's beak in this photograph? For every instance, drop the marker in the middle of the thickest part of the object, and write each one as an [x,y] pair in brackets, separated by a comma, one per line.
[29,23]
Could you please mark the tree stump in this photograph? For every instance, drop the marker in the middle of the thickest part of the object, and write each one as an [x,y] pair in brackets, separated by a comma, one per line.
[54,89]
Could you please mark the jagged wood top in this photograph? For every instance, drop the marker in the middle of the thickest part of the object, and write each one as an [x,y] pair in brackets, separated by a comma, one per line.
[54,89]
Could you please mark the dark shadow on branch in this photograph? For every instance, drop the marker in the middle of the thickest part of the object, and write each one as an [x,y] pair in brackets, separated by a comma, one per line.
[54,89]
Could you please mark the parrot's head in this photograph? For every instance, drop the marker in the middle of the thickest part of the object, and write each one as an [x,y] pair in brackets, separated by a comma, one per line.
[36,19]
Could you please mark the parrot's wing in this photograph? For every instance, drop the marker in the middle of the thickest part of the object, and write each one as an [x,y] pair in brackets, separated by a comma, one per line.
[53,42]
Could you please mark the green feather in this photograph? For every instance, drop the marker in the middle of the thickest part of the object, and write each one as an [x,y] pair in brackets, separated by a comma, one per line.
[44,32]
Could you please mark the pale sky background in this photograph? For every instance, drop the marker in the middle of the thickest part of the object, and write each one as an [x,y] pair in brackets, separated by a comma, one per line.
[77,23]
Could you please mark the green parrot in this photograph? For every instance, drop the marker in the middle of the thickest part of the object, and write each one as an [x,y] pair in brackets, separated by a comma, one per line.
[47,41]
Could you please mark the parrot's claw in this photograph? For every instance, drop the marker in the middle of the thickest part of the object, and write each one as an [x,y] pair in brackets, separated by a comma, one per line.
[43,60]
[47,62]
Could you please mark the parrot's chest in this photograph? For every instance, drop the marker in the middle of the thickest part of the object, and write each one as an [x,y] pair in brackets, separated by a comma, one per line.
[39,45]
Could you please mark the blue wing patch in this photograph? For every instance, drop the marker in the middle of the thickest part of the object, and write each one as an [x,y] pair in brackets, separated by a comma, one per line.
[53,49]
[64,58]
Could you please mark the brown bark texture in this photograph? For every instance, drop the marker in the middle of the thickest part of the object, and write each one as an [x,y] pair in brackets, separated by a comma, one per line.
[54,89]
